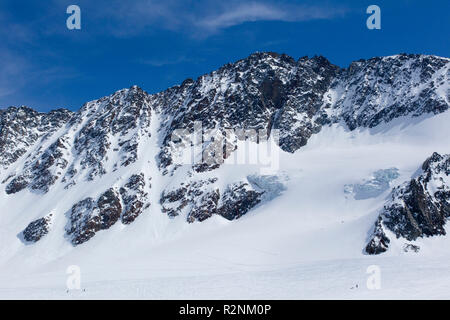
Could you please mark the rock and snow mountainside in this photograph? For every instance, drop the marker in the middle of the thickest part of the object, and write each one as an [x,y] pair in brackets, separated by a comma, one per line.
[417,208]
[123,145]
[21,128]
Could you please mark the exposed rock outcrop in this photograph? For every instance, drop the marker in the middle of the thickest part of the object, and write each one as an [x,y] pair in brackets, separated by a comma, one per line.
[134,198]
[126,203]
[37,229]
[87,217]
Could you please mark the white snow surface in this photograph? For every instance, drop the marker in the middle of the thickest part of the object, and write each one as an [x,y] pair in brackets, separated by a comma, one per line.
[306,243]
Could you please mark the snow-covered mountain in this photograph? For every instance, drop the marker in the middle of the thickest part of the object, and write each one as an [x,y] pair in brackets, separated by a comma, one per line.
[304,143]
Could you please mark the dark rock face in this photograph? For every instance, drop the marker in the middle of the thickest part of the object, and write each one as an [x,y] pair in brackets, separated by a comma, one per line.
[379,242]
[82,224]
[237,200]
[109,208]
[87,217]
[418,215]
[16,185]
[421,211]
[134,198]
[302,115]
[37,229]
[418,208]
[199,200]
[204,206]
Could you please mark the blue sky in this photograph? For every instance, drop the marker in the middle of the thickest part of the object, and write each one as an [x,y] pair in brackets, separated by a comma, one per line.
[158,44]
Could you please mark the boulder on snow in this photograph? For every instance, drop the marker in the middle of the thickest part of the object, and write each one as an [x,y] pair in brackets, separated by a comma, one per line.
[87,217]
[37,229]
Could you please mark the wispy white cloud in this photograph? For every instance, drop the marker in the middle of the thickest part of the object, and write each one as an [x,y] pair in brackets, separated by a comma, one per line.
[200,18]
[205,18]
[257,11]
